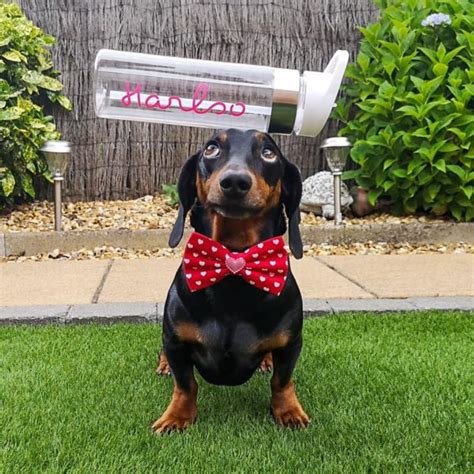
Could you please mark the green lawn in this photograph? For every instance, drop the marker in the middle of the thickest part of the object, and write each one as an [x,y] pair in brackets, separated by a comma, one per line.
[385,393]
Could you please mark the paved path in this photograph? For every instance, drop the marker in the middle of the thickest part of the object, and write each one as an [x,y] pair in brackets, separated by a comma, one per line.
[324,281]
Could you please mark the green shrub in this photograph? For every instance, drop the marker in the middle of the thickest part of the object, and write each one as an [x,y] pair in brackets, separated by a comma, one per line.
[170,191]
[409,107]
[28,85]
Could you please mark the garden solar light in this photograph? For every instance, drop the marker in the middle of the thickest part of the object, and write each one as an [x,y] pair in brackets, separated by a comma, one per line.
[57,154]
[335,150]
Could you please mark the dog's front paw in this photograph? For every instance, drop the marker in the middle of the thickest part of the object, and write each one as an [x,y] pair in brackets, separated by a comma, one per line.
[291,417]
[163,366]
[267,364]
[172,422]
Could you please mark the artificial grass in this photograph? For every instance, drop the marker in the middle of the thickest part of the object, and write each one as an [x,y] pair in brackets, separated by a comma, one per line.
[385,393]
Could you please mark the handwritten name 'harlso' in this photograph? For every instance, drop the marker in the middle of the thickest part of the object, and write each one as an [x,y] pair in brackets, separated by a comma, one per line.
[153,101]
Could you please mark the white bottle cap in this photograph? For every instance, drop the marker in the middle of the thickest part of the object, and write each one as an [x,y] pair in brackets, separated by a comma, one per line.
[319,91]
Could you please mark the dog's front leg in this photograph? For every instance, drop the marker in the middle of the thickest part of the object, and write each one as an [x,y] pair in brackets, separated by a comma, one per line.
[182,410]
[286,408]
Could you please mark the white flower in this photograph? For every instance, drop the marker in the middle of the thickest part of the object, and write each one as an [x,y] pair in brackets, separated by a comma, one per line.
[436,19]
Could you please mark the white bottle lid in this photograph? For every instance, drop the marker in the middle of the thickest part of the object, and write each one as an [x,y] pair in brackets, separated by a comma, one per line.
[319,91]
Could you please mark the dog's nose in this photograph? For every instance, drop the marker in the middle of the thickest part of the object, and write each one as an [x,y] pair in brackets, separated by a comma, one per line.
[235,184]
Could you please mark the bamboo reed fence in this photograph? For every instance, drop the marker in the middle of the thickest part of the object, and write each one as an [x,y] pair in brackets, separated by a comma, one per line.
[120,160]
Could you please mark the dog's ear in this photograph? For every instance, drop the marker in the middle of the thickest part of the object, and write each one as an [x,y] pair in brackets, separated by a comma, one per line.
[187,196]
[291,196]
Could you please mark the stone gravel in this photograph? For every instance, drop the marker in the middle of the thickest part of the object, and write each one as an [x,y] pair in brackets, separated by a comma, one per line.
[155,212]
[147,212]
[369,248]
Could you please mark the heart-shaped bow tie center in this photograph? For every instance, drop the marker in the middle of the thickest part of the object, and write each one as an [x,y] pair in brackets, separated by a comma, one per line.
[234,264]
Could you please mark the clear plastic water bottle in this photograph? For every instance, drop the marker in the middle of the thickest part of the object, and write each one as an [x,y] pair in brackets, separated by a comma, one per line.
[149,88]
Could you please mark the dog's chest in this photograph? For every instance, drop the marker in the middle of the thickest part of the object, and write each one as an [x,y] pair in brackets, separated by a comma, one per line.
[222,335]
[228,354]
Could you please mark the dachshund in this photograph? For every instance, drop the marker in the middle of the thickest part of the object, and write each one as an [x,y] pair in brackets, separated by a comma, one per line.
[240,191]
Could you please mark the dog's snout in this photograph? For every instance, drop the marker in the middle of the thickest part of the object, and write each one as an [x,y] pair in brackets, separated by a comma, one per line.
[235,184]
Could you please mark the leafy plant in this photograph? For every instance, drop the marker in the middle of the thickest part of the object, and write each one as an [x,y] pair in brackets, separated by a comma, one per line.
[170,191]
[409,107]
[28,85]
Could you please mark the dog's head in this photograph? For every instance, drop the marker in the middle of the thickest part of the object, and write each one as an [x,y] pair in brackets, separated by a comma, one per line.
[240,175]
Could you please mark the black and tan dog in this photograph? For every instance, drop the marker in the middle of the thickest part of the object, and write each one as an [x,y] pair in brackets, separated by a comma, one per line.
[240,191]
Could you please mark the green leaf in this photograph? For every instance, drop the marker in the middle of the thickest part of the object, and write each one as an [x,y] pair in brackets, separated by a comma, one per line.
[408,110]
[32,77]
[430,54]
[27,184]
[8,183]
[452,54]
[350,174]
[31,167]
[441,52]
[14,56]
[440,165]
[456,211]
[468,191]
[433,190]
[50,84]
[5,41]
[363,61]
[399,173]
[11,113]
[440,69]
[388,163]
[387,90]
[449,147]
[373,196]
[456,170]
[389,67]
[65,102]
[470,214]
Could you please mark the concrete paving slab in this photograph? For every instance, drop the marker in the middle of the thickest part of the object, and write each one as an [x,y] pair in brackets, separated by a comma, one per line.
[31,243]
[139,280]
[51,282]
[372,305]
[149,280]
[33,314]
[316,307]
[153,312]
[461,303]
[113,312]
[402,276]
[316,280]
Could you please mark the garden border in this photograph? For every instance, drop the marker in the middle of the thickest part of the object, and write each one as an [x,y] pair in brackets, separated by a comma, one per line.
[32,243]
[153,312]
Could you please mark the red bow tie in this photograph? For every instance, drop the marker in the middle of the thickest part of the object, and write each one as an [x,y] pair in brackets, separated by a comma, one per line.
[264,265]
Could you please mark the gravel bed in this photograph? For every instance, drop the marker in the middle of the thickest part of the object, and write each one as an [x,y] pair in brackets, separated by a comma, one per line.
[148,212]
[369,248]
[155,212]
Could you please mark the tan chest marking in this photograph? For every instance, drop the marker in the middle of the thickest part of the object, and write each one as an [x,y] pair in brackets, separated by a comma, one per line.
[276,341]
[189,332]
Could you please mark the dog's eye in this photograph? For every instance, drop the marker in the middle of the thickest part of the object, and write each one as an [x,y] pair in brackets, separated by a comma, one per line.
[211,151]
[268,154]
